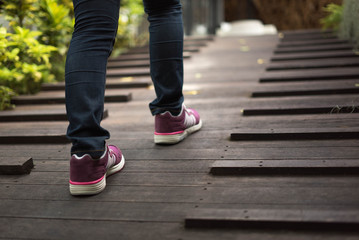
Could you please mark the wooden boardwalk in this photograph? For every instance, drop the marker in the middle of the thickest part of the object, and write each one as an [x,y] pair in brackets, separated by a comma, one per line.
[277,158]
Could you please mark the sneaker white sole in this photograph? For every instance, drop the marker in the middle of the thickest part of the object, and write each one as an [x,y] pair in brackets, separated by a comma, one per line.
[176,138]
[91,189]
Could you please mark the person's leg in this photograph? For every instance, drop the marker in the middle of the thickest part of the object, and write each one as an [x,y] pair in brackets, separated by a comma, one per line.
[166,54]
[96,24]
[173,121]
[92,41]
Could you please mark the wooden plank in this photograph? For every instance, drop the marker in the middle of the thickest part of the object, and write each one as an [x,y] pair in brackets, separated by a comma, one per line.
[134,72]
[306,92]
[51,172]
[189,39]
[75,228]
[300,32]
[285,167]
[275,152]
[318,48]
[79,229]
[316,63]
[34,139]
[30,116]
[283,219]
[301,110]
[75,210]
[314,55]
[110,84]
[57,173]
[130,64]
[308,88]
[340,195]
[311,75]
[302,105]
[59,98]
[125,211]
[140,57]
[301,43]
[307,37]
[299,121]
[295,134]
[188,49]
[187,44]
[15,166]
[286,37]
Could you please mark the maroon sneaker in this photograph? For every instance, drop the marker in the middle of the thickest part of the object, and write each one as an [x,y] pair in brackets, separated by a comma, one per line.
[88,176]
[171,129]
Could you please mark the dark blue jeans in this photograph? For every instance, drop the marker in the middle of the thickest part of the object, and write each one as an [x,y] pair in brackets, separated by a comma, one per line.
[96,23]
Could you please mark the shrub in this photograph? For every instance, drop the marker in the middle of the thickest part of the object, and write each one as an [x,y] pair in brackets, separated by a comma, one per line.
[5,98]
[19,12]
[131,15]
[55,24]
[24,61]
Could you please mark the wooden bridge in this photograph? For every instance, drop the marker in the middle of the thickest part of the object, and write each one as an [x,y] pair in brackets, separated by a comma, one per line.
[277,158]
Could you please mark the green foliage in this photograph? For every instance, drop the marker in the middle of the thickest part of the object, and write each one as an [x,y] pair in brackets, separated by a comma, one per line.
[51,19]
[334,17]
[5,98]
[24,61]
[54,23]
[29,58]
[131,15]
[56,27]
[19,12]
[69,5]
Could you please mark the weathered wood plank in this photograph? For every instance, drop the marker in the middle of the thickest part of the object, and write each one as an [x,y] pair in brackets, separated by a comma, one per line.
[126,211]
[274,150]
[306,92]
[295,134]
[134,72]
[300,43]
[140,57]
[314,35]
[299,121]
[341,195]
[130,64]
[300,32]
[52,172]
[285,167]
[186,48]
[314,55]
[318,48]
[92,230]
[307,122]
[190,39]
[274,219]
[308,37]
[15,166]
[34,139]
[59,98]
[316,63]
[110,84]
[30,116]
[302,105]
[311,75]
[301,110]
